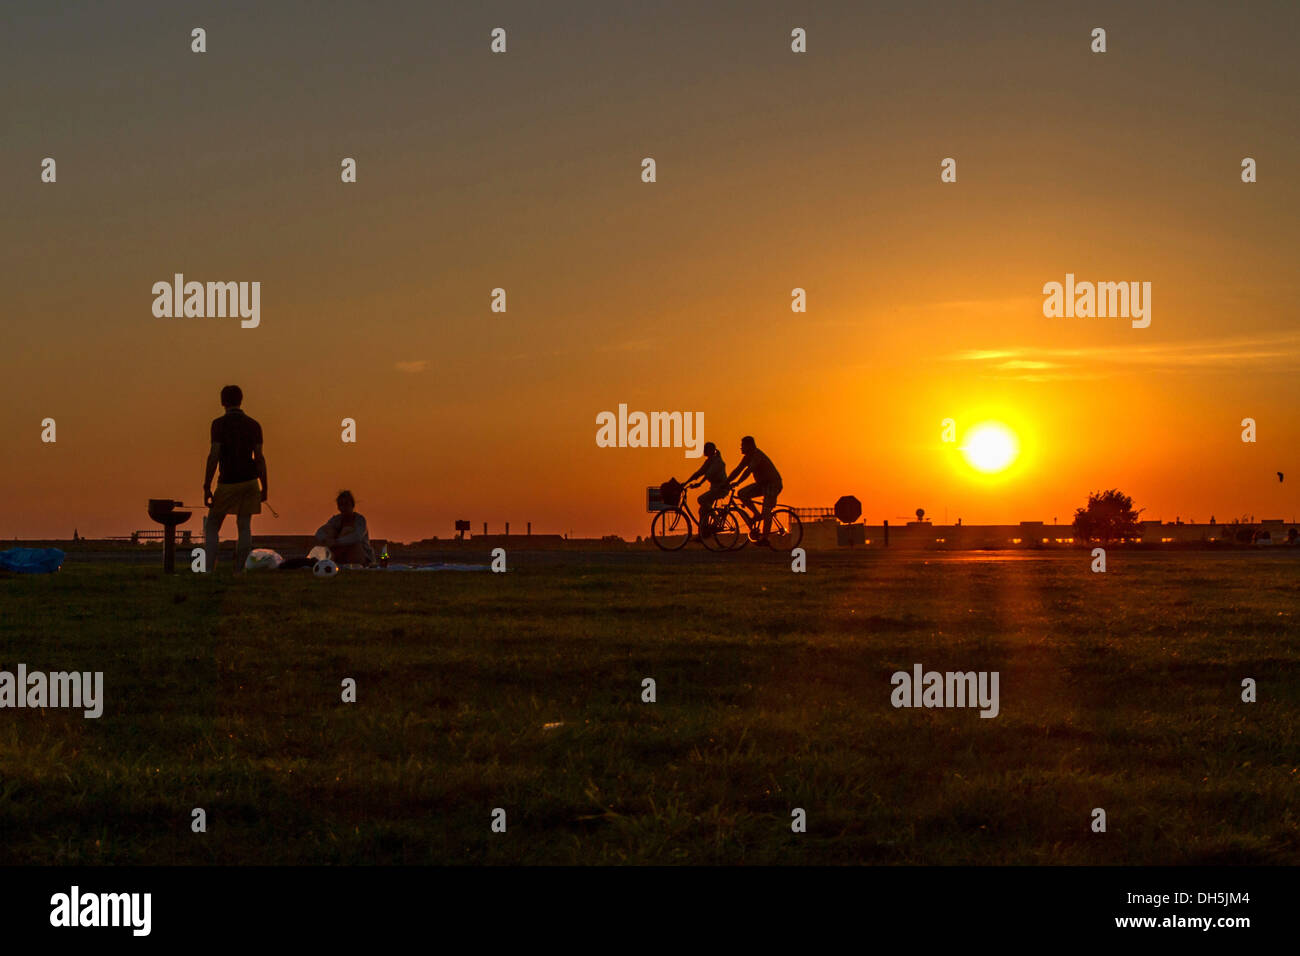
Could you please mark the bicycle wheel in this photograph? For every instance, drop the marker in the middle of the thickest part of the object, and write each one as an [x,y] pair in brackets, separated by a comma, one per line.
[787,530]
[671,529]
[722,532]
[742,528]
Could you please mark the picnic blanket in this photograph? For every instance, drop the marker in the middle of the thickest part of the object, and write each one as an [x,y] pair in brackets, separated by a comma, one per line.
[293,564]
[432,567]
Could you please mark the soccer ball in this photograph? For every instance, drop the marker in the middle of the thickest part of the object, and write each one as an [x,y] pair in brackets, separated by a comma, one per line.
[325,569]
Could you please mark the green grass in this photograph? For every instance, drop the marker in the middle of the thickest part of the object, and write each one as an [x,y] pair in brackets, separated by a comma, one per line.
[1118,690]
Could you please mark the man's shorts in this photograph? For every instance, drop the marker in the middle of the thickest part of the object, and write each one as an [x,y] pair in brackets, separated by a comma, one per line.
[767,490]
[240,498]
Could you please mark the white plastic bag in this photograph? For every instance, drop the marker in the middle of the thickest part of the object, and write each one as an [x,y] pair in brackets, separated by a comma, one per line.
[260,559]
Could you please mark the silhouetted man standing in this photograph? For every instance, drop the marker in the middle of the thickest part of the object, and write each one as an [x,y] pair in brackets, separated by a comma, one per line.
[767,483]
[241,483]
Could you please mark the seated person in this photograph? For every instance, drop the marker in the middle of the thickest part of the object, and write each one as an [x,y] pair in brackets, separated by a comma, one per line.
[714,471]
[346,534]
[767,485]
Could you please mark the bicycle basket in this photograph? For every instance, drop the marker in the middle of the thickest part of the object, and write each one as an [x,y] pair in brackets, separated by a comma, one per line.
[670,492]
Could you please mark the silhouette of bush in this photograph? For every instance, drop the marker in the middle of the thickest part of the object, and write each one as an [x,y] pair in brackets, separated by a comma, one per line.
[1109,516]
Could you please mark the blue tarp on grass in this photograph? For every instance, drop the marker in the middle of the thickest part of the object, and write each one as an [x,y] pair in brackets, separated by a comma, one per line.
[31,560]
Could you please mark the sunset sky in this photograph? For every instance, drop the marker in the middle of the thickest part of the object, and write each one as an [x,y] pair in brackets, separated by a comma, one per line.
[775,170]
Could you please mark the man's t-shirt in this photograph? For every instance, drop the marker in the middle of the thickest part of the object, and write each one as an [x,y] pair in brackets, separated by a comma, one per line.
[238,435]
[761,468]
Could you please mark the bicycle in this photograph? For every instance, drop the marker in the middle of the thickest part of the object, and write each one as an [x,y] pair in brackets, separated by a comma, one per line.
[671,528]
[786,529]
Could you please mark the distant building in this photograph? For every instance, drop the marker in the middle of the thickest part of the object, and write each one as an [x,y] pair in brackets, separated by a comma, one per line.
[829,533]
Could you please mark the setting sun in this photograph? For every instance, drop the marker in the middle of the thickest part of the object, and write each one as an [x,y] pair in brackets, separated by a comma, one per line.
[990,447]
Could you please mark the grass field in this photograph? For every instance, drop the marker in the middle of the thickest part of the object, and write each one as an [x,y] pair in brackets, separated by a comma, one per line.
[523,691]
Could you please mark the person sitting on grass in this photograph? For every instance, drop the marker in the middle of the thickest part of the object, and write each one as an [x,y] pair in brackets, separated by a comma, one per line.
[346,534]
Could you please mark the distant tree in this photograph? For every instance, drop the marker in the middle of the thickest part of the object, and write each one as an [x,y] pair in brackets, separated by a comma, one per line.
[1109,516]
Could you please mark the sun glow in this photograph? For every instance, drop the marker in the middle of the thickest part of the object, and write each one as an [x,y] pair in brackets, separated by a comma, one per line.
[990,447]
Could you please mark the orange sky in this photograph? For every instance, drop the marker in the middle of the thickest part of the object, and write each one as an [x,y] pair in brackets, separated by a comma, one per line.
[775,171]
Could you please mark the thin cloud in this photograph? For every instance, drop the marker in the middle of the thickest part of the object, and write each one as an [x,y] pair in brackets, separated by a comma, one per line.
[627,345]
[978,355]
[1027,364]
[1010,304]
[418,365]
[1256,353]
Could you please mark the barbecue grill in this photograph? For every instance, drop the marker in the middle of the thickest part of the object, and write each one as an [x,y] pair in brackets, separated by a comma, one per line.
[163,510]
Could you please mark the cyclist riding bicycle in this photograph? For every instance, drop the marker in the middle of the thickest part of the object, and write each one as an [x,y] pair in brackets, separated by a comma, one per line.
[767,483]
[714,471]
